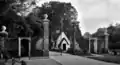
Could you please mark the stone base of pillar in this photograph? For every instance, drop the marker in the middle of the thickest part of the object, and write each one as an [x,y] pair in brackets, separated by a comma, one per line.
[46,53]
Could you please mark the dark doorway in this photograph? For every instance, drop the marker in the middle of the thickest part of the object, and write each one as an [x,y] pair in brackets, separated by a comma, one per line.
[24,47]
[64,46]
[92,46]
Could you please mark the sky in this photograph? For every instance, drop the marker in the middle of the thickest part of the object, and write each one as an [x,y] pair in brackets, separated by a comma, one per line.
[94,14]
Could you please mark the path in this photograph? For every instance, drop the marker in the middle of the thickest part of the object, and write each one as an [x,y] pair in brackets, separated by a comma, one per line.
[67,59]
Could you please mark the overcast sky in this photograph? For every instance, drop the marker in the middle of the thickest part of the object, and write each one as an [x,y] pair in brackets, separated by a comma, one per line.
[95,13]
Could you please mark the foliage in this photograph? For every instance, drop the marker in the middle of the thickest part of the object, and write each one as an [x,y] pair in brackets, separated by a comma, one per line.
[114,34]
[87,35]
[23,18]
[58,12]
[8,17]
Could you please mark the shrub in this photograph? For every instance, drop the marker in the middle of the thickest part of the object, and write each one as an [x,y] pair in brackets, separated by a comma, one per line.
[70,50]
[76,51]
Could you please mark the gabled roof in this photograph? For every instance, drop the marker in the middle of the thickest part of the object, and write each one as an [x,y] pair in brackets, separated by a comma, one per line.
[61,38]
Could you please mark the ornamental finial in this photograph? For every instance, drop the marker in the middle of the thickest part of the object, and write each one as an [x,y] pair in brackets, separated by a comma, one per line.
[45,16]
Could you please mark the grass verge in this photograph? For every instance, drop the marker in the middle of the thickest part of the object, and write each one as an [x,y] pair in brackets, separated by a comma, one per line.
[107,58]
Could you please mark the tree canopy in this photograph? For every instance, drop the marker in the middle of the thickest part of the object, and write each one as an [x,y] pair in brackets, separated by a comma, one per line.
[87,35]
[114,35]
[58,12]
[24,18]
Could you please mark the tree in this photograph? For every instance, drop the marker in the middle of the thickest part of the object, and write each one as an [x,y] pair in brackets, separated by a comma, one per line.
[60,11]
[114,35]
[17,13]
[14,22]
[87,35]
[57,12]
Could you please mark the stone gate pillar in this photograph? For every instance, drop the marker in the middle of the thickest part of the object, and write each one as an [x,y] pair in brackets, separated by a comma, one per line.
[3,36]
[46,36]
[106,40]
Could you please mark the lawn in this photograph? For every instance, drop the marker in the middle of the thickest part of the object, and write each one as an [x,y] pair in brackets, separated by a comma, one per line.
[107,58]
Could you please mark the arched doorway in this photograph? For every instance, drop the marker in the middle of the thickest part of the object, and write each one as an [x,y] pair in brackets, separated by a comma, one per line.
[64,47]
[24,47]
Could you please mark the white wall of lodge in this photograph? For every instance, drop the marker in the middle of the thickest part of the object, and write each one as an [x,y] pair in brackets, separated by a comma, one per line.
[62,40]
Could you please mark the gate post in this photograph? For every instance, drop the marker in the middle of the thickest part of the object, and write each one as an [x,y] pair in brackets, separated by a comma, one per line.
[89,45]
[46,36]
[106,40]
[19,47]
